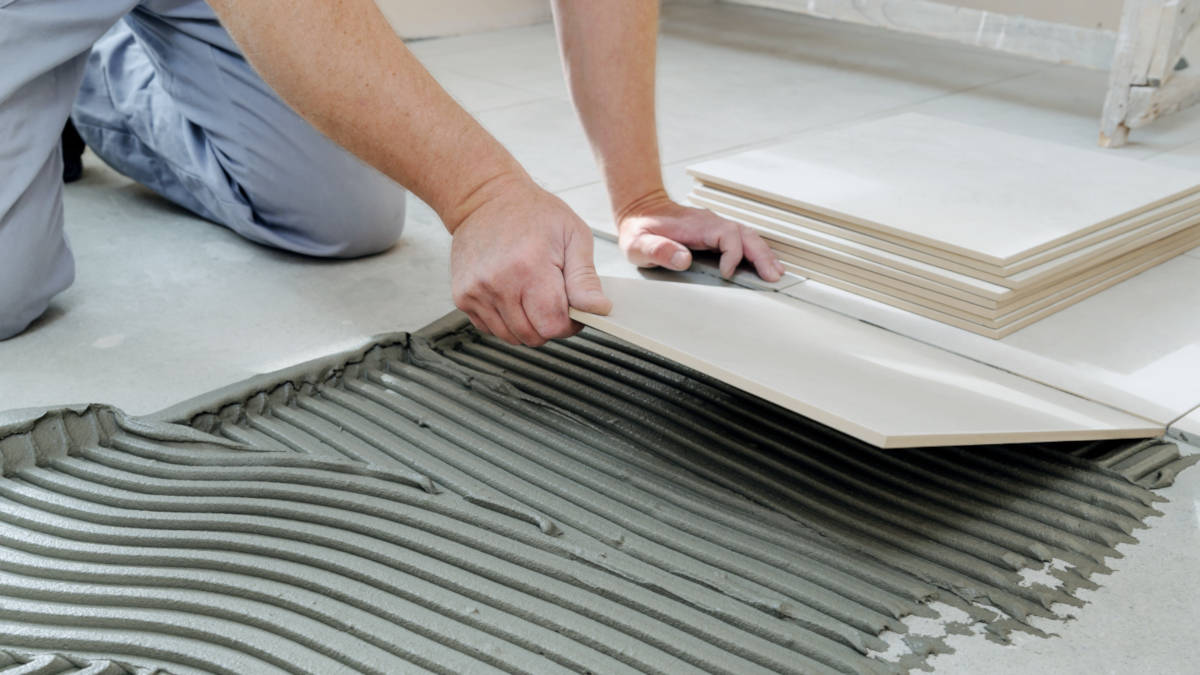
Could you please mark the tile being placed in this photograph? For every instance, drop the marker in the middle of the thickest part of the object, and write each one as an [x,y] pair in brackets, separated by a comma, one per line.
[880,387]
[1135,346]
[973,192]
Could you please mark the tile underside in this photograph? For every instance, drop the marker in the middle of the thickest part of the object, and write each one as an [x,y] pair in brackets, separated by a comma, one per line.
[882,388]
[445,501]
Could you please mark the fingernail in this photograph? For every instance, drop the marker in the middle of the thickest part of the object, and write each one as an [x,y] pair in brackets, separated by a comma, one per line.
[679,260]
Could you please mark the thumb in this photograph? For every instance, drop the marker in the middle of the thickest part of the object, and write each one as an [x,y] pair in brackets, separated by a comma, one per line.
[648,250]
[584,291]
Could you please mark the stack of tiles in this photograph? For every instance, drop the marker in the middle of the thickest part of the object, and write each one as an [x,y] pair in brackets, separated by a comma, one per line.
[980,229]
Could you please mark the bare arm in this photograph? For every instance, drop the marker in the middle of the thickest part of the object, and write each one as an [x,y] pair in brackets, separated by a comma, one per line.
[519,255]
[609,55]
[341,66]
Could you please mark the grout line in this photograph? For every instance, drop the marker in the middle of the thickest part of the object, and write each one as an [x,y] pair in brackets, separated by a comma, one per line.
[1189,412]
[540,98]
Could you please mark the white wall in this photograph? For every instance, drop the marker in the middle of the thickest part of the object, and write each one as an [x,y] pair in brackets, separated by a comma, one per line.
[1085,13]
[435,18]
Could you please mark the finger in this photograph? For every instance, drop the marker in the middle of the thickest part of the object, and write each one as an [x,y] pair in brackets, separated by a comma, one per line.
[583,288]
[649,250]
[757,252]
[730,244]
[477,322]
[512,313]
[546,307]
[495,325]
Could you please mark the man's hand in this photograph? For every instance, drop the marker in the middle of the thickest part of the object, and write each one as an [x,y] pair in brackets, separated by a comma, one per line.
[655,231]
[518,260]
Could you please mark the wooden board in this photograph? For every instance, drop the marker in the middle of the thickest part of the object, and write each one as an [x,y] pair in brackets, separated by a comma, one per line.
[875,385]
[939,269]
[981,194]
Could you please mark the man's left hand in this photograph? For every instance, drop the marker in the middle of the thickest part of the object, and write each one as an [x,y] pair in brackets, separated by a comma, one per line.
[655,231]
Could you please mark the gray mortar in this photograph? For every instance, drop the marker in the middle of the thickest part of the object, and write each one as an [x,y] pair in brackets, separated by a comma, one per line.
[442,502]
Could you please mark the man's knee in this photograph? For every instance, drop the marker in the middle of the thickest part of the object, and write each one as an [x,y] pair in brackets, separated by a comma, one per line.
[363,224]
[362,215]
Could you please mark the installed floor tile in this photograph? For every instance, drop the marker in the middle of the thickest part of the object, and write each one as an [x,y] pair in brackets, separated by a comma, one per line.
[882,388]
[1188,427]
[198,306]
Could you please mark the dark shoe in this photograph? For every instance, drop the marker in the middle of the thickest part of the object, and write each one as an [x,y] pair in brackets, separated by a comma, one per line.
[72,150]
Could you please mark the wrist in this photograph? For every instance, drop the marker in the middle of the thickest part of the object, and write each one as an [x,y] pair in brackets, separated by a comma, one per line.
[639,203]
[503,183]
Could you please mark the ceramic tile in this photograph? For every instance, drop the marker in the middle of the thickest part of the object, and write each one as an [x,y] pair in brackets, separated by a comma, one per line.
[1072,287]
[1187,427]
[877,386]
[547,139]
[1004,324]
[1130,347]
[982,194]
[963,291]
[203,307]
[473,42]
[1109,241]
[532,64]
[477,95]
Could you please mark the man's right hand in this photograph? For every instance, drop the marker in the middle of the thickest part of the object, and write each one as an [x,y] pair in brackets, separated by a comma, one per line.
[519,259]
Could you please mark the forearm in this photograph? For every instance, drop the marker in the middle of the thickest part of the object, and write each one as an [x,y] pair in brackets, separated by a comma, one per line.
[343,69]
[609,53]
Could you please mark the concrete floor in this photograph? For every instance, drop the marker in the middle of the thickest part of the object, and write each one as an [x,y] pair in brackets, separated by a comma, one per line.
[167,306]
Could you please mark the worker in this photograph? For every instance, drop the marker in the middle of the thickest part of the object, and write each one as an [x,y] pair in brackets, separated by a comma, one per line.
[296,126]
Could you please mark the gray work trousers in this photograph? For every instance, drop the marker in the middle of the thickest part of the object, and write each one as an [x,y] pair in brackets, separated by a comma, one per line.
[162,94]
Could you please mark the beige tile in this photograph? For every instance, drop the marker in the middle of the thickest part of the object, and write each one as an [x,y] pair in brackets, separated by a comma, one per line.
[877,386]
[970,191]
[930,280]
[1033,271]
[1135,346]
[1008,321]
[951,302]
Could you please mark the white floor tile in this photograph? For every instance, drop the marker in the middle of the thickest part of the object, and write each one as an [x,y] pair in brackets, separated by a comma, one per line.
[197,307]
[1188,426]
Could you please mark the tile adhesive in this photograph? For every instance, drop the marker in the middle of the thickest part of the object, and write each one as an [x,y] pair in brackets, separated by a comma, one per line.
[442,502]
